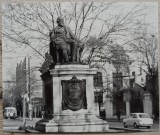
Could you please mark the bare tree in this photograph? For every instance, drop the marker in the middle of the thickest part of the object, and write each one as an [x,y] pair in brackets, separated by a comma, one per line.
[147,56]
[8,92]
[13,93]
[120,62]
[117,28]
[28,25]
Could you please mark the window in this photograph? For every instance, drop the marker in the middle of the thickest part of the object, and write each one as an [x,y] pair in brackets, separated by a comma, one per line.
[133,73]
[132,83]
[98,95]
[117,80]
[98,80]
[136,94]
[144,116]
[135,116]
[131,116]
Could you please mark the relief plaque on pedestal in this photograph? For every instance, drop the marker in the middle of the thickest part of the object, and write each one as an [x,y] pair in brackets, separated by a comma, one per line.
[74,94]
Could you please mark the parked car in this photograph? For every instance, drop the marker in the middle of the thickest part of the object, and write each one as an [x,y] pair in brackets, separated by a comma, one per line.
[10,112]
[138,120]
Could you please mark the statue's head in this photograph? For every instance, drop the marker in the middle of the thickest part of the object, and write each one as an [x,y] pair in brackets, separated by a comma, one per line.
[60,21]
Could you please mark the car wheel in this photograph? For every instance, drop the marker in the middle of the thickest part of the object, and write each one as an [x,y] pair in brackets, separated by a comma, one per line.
[148,127]
[125,125]
[135,125]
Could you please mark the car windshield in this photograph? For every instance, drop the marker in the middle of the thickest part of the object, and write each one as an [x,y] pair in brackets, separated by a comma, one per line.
[144,116]
[10,110]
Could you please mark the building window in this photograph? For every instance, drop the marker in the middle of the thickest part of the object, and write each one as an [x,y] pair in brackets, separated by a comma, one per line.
[131,83]
[98,95]
[136,94]
[117,80]
[133,73]
[98,80]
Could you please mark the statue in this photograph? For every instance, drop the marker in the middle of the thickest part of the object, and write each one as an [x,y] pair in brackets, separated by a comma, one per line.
[64,45]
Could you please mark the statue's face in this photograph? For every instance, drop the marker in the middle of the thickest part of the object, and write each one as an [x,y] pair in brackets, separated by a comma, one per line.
[61,22]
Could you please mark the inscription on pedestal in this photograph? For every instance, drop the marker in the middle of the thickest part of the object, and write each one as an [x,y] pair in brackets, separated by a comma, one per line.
[74,94]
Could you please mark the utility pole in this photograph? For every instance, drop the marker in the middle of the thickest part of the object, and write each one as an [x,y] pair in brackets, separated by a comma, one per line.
[24,109]
[117,98]
[29,90]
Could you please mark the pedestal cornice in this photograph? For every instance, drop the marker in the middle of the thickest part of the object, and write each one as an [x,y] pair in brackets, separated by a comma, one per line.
[72,70]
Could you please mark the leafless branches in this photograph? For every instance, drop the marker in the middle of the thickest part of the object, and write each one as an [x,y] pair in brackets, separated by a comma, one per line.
[28,25]
[146,46]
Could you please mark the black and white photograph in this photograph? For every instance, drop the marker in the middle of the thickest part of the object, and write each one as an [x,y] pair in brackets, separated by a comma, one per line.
[80,67]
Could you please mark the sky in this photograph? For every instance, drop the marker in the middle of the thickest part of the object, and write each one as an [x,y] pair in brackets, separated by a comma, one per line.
[11,59]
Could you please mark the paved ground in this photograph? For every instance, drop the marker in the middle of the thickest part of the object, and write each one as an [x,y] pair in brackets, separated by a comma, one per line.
[117,125]
[19,122]
[13,125]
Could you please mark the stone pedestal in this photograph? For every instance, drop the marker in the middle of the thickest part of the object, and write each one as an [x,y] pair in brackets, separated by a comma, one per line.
[68,120]
[147,104]
[127,108]
[108,107]
[127,99]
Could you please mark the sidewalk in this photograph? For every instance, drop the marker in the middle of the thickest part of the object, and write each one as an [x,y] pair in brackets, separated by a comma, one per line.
[19,122]
[11,125]
[27,119]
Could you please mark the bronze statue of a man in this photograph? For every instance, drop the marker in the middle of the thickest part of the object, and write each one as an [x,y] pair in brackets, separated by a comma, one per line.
[65,41]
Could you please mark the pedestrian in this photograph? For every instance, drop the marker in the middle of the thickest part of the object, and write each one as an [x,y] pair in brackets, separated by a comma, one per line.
[42,114]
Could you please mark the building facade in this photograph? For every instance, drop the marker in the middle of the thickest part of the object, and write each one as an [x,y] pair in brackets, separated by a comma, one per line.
[130,85]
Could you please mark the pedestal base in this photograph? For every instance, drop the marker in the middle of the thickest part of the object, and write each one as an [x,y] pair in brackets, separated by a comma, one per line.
[66,116]
[77,123]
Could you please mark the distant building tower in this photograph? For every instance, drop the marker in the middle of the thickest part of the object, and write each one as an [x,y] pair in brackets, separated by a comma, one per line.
[21,85]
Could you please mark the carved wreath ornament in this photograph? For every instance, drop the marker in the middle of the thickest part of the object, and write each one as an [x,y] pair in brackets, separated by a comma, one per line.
[74,94]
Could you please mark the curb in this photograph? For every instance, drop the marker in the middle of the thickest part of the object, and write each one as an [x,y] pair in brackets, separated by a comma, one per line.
[133,130]
[126,129]
[10,128]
